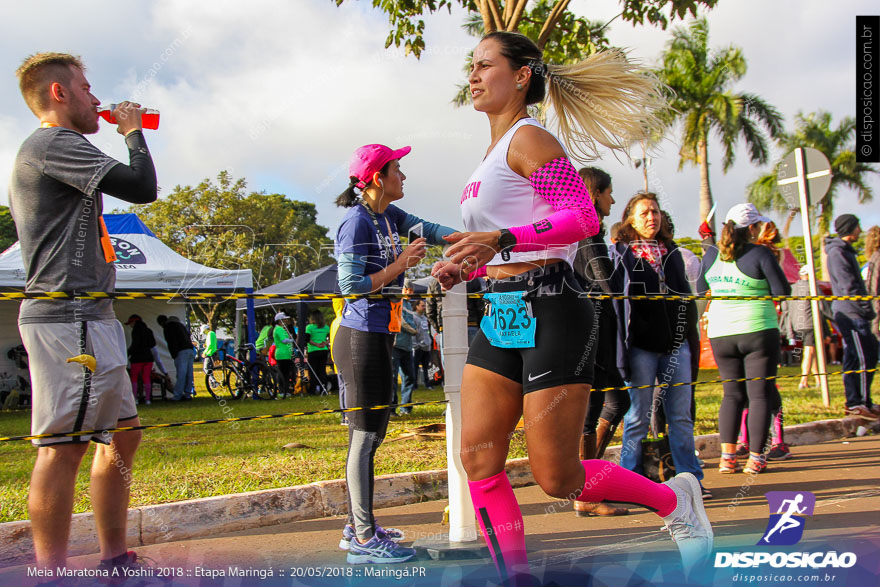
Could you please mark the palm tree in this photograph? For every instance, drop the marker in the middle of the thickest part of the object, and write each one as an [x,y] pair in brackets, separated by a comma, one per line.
[838,145]
[701,98]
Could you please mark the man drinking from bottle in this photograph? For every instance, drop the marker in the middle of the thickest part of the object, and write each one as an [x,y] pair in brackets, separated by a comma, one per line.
[76,347]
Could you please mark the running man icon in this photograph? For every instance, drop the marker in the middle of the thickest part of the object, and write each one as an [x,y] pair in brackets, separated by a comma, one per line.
[786,526]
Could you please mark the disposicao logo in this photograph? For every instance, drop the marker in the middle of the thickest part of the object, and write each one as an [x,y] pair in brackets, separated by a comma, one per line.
[786,526]
[788,511]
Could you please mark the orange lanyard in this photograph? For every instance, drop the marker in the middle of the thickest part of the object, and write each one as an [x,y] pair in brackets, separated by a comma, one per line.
[106,245]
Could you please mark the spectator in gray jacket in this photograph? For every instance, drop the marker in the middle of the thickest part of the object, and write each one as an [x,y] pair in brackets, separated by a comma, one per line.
[799,314]
[475,308]
[853,318]
[422,343]
[402,354]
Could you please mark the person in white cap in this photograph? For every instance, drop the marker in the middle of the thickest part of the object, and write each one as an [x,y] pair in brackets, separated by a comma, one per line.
[283,340]
[744,334]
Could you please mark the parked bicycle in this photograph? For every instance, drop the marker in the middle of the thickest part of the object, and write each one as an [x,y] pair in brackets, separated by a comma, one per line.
[237,378]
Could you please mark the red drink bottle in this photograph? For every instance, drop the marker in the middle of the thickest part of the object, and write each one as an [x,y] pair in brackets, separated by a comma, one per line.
[149,119]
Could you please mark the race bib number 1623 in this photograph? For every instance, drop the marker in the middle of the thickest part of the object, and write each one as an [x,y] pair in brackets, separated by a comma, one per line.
[509,323]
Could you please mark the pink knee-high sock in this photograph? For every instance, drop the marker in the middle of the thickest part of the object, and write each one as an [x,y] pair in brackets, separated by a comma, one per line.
[744,429]
[778,435]
[502,523]
[607,481]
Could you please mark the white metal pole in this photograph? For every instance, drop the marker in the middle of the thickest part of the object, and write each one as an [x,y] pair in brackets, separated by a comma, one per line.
[455,347]
[803,192]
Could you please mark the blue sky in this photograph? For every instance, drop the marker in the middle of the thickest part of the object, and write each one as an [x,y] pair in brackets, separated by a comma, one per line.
[281,93]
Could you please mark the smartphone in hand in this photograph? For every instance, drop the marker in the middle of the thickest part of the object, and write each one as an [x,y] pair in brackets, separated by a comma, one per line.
[415,232]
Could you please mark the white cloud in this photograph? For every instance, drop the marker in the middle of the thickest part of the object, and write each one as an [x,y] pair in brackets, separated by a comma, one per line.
[282,93]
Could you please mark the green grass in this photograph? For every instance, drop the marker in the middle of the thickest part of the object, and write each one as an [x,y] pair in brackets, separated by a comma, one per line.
[201,461]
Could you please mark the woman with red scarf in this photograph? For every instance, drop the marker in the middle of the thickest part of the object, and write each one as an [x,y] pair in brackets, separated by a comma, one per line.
[655,334]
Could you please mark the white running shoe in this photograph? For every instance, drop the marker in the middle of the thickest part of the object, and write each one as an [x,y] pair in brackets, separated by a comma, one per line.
[689,525]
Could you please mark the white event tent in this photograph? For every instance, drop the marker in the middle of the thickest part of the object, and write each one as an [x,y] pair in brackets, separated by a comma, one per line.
[144,263]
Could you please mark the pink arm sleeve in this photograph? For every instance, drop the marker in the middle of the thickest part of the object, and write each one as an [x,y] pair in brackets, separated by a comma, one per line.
[481,272]
[574,216]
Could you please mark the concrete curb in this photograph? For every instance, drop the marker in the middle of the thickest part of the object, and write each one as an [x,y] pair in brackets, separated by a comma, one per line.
[198,518]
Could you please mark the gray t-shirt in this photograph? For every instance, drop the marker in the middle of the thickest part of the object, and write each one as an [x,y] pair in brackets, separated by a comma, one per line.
[56,205]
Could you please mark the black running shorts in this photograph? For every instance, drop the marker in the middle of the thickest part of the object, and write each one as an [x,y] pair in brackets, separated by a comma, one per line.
[565,339]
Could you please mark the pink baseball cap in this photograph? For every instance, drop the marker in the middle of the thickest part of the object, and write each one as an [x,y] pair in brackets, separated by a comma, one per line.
[369,159]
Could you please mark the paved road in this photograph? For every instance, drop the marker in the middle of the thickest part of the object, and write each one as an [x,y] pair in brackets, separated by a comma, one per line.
[563,549]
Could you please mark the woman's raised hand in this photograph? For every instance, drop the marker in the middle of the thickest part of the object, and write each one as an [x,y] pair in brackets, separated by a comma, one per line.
[413,253]
[472,250]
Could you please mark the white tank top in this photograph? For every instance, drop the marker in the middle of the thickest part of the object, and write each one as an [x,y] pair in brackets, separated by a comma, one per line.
[497,197]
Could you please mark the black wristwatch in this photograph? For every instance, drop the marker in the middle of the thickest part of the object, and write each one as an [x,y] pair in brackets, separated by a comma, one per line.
[506,242]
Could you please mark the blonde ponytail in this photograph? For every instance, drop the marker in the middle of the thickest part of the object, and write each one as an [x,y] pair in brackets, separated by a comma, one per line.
[605,99]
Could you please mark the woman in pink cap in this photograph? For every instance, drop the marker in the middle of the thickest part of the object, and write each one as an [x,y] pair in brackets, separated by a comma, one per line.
[370,257]
[526,208]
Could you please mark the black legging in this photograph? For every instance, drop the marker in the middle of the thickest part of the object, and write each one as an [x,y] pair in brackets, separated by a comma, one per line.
[609,405]
[364,361]
[751,355]
[318,365]
[286,368]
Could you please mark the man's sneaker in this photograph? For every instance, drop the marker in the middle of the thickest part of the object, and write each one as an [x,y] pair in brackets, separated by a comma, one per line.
[378,550]
[861,412]
[742,450]
[688,524]
[754,466]
[130,570]
[779,452]
[727,465]
[875,409]
[348,533]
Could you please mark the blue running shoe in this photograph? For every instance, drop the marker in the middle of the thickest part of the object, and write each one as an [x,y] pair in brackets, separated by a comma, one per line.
[348,533]
[378,550]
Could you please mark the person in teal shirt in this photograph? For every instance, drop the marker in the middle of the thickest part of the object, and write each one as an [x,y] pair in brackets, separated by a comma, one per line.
[317,334]
[744,334]
[283,340]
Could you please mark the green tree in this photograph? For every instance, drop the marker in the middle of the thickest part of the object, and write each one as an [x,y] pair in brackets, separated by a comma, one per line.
[220,224]
[702,100]
[8,234]
[571,40]
[693,245]
[540,22]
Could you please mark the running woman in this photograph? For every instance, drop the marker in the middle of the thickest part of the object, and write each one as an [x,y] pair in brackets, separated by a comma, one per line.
[526,208]
[744,334]
[370,257]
